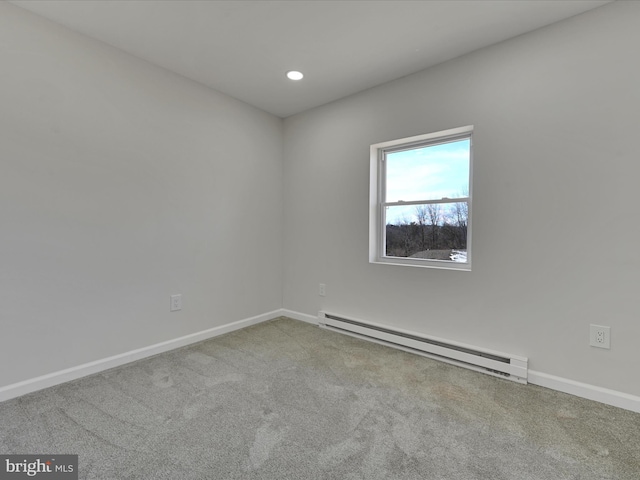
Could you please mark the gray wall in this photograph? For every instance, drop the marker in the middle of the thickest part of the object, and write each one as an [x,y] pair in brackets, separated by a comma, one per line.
[120,184]
[556,115]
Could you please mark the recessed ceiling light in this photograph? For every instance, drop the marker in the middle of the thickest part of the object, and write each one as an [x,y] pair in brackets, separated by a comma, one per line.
[293,75]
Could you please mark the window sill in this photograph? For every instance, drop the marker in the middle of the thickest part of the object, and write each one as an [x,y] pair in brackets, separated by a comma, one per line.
[439,264]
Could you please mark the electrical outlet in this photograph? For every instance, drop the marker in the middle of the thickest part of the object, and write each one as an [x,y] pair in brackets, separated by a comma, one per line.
[322,291]
[600,336]
[176,302]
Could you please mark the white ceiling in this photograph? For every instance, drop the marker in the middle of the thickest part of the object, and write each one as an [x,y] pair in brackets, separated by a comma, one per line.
[244,48]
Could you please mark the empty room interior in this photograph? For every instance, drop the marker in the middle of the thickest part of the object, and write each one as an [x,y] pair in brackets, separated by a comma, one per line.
[202,278]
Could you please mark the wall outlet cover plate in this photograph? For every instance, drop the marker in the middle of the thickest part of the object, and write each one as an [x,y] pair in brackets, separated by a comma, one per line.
[600,336]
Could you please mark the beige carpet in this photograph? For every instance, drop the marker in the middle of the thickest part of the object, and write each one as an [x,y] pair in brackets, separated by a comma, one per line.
[287,400]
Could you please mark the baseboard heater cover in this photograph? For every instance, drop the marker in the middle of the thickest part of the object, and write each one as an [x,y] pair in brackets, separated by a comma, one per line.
[494,363]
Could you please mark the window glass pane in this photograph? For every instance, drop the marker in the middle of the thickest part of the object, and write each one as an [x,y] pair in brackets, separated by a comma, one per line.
[428,173]
[435,231]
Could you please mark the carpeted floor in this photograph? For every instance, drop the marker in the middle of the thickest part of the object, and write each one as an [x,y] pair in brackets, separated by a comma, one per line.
[287,400]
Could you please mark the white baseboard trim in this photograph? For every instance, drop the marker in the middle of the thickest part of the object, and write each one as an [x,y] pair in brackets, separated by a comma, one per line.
[584,390]
[303,317]
[49,380]
[591,392]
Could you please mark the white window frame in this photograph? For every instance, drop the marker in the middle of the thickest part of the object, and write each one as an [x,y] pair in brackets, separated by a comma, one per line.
[377,200]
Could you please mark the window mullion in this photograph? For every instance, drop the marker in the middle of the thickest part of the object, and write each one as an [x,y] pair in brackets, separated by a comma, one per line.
[426,202]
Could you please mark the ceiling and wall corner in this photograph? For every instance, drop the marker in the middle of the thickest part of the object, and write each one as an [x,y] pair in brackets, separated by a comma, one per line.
[244,48]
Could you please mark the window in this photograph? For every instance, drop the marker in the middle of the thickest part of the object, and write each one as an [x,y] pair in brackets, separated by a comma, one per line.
[420,200]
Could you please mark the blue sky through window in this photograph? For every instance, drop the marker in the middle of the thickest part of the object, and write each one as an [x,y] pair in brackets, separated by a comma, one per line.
[426,173]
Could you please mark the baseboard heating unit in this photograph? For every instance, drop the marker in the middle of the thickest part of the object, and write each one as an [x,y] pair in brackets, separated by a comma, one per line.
[498,364]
